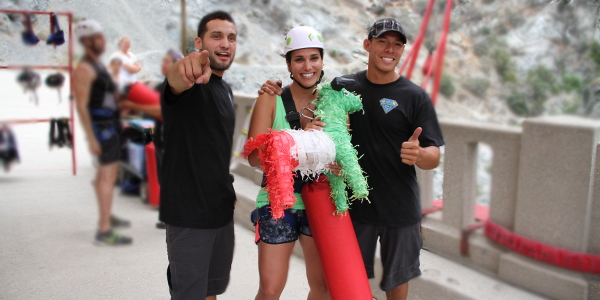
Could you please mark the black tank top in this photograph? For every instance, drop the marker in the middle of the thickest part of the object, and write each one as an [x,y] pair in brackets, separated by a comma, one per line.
[102,94]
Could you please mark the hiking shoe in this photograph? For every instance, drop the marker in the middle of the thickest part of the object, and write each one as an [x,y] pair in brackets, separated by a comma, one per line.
[116,222]
[112,238]
[161,225]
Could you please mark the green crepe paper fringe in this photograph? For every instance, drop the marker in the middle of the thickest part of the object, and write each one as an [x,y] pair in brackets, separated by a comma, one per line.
[333,107]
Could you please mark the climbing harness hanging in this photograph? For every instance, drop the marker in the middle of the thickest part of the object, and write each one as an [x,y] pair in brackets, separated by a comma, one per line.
[30,81]
[9,154]
[56,81]
[60,133]
[28,36]
[57,36]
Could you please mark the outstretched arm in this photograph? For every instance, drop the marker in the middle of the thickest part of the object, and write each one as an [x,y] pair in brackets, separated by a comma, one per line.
[194,68]
[153,110]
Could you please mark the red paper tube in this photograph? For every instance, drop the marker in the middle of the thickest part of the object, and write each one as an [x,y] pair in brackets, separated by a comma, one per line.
[336,243]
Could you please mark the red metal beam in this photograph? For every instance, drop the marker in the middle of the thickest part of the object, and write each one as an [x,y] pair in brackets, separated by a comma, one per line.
[420,39]
[44,67]
[465,234]
[430,71]
[24,121]
[442,51]
[18,11]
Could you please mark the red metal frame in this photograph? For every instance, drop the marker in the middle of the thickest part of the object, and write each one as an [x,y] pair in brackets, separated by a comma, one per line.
[68,67]
[442,51]
[438,58]
[414,51]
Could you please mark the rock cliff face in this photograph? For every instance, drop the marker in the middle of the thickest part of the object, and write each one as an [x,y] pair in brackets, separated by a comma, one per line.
[505,59]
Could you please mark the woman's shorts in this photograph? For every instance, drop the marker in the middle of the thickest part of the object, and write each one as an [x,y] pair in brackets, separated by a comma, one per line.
[285,230]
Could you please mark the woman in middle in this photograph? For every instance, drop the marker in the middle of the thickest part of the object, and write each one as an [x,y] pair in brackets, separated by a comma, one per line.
[303,49]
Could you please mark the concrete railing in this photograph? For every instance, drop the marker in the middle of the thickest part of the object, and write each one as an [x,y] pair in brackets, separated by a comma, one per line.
[545,186]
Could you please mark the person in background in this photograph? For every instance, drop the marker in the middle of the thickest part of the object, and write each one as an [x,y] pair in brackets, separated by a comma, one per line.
[96,100]
[197,195]
[130,66]
[114,66]
[170,58]
[397,130]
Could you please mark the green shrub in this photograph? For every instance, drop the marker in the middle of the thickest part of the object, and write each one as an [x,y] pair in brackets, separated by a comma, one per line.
[481,49]
[510,76]
[595,54]
[571,83]
[572,106]
[378,9]
[501,29]
[541,83]
[485,30]
[447,86]
[517,102]
[514,18]
[503,64]
[488,1]
[477,86]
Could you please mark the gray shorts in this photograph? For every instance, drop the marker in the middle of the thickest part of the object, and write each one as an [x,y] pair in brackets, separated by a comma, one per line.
[199,261]
[400,250]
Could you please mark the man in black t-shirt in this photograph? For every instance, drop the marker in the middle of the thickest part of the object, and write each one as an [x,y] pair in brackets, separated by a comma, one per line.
[197,196]
[398,129]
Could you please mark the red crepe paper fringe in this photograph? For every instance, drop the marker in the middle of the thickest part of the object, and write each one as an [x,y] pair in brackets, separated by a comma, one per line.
[277,161]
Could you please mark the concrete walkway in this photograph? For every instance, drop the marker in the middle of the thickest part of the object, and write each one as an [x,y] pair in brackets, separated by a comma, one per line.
[48,217]
[46,251]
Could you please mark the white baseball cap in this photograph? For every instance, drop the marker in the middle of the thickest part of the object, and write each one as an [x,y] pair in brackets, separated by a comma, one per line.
[86,28]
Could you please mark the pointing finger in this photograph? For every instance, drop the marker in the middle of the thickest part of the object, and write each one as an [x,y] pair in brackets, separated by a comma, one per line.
[183,73]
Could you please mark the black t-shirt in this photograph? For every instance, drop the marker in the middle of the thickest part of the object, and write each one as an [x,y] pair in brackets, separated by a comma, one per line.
[158,126]
[392,112]
[196,188]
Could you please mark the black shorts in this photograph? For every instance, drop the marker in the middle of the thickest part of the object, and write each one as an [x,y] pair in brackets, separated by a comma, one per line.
[199,261]
[286,230]
[111,150]
[400,250]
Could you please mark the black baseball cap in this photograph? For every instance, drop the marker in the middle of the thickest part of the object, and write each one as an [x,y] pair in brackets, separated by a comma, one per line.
[384,25]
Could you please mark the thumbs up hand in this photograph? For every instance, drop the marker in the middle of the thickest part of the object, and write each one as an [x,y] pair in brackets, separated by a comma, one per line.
[410,152]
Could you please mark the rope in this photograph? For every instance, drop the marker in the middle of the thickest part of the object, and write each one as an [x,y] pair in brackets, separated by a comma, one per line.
[576,261]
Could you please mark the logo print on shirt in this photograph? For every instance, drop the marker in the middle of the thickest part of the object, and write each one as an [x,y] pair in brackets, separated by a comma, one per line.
[388,104]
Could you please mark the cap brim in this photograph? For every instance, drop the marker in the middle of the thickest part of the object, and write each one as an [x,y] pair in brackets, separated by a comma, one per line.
[402,36]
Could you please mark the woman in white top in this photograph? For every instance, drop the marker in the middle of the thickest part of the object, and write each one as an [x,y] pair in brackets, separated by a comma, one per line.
[130,66]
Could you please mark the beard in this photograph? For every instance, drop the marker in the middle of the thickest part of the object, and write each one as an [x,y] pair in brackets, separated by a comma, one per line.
[216,65]
[96,49]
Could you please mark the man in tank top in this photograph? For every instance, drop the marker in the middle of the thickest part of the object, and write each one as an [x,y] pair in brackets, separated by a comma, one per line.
[95,95]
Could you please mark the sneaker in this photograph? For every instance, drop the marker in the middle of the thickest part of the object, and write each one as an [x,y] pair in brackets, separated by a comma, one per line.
[161,225]
[116,222]
[112,238]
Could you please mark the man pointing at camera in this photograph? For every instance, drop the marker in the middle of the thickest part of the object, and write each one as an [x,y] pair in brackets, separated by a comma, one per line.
[398,130]
[197,196]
